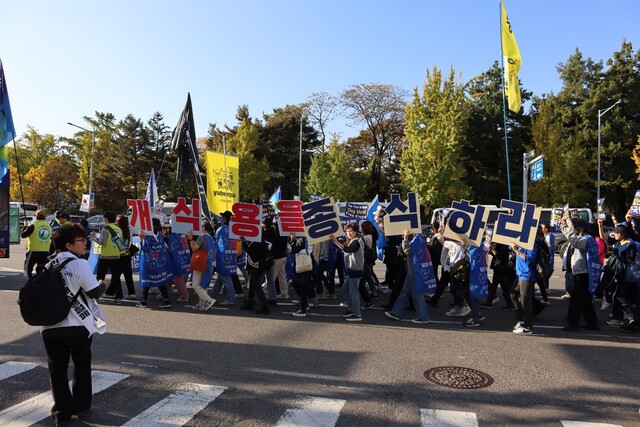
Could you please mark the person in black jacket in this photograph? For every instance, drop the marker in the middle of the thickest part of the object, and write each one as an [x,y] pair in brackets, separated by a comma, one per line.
[259,262]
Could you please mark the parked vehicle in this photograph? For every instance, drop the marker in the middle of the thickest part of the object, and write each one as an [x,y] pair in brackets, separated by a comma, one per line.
[96,222]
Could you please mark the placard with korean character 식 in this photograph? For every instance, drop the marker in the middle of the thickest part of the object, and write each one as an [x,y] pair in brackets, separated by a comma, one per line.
[186,218]
[402,215]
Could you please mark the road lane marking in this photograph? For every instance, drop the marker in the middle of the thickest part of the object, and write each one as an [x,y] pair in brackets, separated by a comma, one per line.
[10,369]
[441,418]
[586,424]
[178,408]
[38,408]
[313,411]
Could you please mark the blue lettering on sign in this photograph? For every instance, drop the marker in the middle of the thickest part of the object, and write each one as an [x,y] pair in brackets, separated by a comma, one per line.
[521,216]
[398,205]
[320,218]
[471,223]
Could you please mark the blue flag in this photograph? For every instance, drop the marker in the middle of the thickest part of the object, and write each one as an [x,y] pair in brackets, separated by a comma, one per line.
[594,266]
[155,265]
[7,131]
[478,282]
[152,190]
[381,243]
[275,198]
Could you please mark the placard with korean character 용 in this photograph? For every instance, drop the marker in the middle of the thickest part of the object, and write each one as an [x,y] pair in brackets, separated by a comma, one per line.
[139,216]
[466,223]
[321,220]
[518,226]
[186,218]
[246,221]
[402,215]
[290,218]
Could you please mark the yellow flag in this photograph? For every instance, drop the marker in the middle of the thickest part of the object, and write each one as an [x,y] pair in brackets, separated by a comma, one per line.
[223,184]
[511,62]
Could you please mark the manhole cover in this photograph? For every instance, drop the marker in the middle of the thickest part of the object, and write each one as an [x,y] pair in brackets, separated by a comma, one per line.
[457,377]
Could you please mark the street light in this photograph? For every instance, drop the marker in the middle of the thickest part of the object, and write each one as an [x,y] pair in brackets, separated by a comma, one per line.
[600,114]
[300,163]
[93,141]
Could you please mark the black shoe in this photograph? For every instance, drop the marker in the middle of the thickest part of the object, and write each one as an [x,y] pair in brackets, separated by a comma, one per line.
[246,307]
[272,302]
[486,305]
[571,328]
[595,327]
[263,310]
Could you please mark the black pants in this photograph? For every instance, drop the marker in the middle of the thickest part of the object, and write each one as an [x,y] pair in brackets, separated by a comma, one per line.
[303,284]
[62,344]
[441,287]
[125,264]
[256,278]
[320,280]
[106,264]
[523,290]
[338,267]
[33,259]
[581,302]
[163,291]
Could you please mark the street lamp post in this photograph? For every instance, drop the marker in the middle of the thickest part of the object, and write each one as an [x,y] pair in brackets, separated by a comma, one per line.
[93,142]
[600,114]
[300,162]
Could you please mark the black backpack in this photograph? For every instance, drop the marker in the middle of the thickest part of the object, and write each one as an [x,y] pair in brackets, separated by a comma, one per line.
[543,264]
[43,299]
[460,273]
[370,253]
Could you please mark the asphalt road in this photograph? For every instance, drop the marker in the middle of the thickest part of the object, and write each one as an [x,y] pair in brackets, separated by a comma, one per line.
[268,369]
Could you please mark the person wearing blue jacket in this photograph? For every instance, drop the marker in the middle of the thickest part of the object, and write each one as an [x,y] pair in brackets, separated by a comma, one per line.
[522,293]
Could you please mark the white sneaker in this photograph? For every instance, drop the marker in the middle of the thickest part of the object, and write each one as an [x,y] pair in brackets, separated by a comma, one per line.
[520,324]
[495,300]
[605,305]
[454,312]
[464,311]
[522,330]
[566,295]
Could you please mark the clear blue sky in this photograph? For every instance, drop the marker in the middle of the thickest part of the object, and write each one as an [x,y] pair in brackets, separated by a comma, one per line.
[66,59]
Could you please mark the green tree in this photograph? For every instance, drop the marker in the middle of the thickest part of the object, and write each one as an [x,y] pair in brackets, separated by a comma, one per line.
[435,123]
[332,174]
[254,173]
[55,184]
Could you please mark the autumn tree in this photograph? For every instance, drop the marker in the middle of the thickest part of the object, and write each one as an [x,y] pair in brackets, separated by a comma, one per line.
[54,184]
[435,123]
[254,173]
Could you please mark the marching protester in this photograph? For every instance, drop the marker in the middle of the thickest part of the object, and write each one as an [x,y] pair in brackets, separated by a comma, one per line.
[584,254]
[302,277]
[125,256]
[353,249]
[370,236]
[226,262]
[202,276]
[155,268]
[72,337]
[110,240]
[277,270]
[38,235]
[413,247]
[259,262]
[522,294]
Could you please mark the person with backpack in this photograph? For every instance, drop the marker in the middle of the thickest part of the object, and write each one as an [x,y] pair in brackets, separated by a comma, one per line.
[584,255]
[72,337]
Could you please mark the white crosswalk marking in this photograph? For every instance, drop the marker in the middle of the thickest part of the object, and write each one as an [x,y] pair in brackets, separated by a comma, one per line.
[10,369]
[440,418]
[178,408]
[586,424]
[313,411]
[38,408]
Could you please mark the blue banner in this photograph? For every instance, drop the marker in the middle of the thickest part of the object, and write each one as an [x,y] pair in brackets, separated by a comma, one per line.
[594,267]
[422,265]
[478,283]
[372,213]
[155,265]
[226,257]
[180,253]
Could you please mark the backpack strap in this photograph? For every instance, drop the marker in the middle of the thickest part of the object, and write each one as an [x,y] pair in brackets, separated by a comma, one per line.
[115,237]
[59,268]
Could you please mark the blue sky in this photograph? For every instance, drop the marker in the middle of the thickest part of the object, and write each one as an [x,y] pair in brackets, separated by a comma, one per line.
[66,59]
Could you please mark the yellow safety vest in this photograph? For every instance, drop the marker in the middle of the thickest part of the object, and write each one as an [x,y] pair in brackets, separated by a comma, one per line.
[110,248]
[40,239]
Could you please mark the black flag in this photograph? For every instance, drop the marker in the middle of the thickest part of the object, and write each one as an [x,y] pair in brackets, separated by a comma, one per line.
[183,142]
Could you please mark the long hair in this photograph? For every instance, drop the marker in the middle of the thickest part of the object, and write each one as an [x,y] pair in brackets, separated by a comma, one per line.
[123,223]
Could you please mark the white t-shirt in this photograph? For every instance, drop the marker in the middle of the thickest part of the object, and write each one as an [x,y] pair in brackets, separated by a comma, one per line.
[77,274]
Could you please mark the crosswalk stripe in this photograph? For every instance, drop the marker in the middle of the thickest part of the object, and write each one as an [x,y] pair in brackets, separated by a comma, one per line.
[313,411]
[586,424]
[10,369]
[38,407]
[178,408]
[441,418]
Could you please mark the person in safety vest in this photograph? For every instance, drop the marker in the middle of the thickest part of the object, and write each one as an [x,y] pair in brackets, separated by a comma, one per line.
[39,240]
[112,243]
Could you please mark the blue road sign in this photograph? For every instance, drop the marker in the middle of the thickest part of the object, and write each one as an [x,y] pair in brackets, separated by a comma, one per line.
[535,171]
